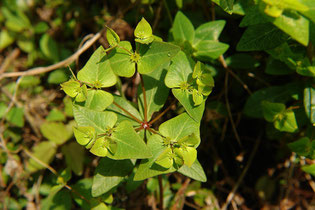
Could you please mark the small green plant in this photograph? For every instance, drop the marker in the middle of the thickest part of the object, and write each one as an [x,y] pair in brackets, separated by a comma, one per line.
[112,127]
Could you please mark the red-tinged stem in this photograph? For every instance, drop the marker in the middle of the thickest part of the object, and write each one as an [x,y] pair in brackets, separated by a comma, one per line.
[144,100]
[162,113]
[131,115]
[152,131]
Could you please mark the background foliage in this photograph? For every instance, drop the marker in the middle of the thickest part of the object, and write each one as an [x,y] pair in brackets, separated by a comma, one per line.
[257,131]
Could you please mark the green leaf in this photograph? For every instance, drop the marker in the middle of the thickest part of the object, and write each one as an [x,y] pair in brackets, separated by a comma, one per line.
[209,31]
[6,39]
[186,99]
[55,115]
[197,97]
[189,154]
[17,21]
[226,5]
[179,127]
[165,159]
[99,120]
[125,104]
[84,135]
[143,32]
[58,76]
[99,147]
[120,60]
[309,103]
[98,100]
[253,17]
[108,174]
[129,144]
[302,147]
[41,27]
[183,30]
[155,54]
[195,172]
[112,38]
[44,151]
[276,67]
[261,37]
[242,61]
[58,198]
[286,122]
[49,47]
[310,13]
[271,110]
[71,88]
[209,49]
[74,155]
[49,129]
[294,25]
[97,71]
[148,167]
[16,116]
[309,169]
[155,89]
[180,70]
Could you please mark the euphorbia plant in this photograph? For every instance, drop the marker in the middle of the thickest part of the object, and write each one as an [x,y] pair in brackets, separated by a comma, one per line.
[112,127]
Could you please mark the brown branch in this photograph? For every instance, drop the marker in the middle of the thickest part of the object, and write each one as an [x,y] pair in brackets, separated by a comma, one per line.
[162,113]
[13,55]
[180,195]
[63,63]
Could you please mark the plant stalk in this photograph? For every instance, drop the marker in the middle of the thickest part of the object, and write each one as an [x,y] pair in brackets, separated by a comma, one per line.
[144,100]
[162,113]
[131,115]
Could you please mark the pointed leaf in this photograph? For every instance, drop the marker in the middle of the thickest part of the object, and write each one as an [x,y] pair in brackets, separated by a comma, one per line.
[48,129]
[197,97]
[82,94]
[209,31]
[226,5]
[143,32]
[209,49]
[195,172]
[154,55]
[271,110]
[186,99]
[286,122]
[99,120]
[261,37]
[129,144]
[310,13]
[71,88]
[74,154]
[108,174]
[111,36]
[97,70]
[302,147]
[189,154]
[120,60]
[183,30]
[165,160]
[58,198]
[99,148]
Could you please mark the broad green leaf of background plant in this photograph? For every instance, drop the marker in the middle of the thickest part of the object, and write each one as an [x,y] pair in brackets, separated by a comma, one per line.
[309,103]
[294,25]
[209,49]
[155,89]
[74,155]
[97,71]
[99,120]
[112,38]
[6,39]
[302,146]
[179,127]
[143,32]
[261,37]
[129,143]
[57,131]
[209,31]
[16,21]
[271,110]
[148,167]
[125,104]
[49,47]
[155,54]
[226,5]
[285,4]
[120,60]
[182,28]
[98,100]
[254,16]
[309,169]
[195,172]
[16,116]
[44,151]
[186,99]
[108,174]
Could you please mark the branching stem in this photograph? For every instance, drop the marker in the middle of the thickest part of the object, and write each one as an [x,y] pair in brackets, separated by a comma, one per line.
[162,113]
[144,100]
[131,115]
